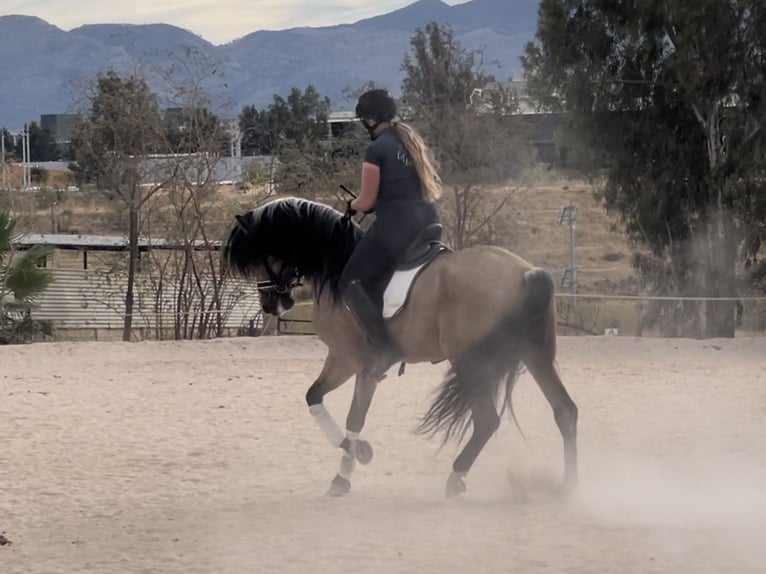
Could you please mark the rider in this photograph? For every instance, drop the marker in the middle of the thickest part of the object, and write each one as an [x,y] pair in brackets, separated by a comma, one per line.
[399,183]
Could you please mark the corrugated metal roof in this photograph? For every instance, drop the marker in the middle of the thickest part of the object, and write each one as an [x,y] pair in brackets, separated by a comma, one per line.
[195,167]
[104,242]
[341,116]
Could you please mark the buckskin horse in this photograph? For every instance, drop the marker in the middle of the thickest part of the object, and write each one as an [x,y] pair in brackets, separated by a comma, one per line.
[483,309]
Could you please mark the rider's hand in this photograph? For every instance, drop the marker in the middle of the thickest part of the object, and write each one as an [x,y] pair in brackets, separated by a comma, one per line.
[350,211]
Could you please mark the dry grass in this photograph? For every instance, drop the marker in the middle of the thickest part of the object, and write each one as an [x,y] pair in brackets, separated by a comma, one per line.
[602,254]
[531,215]
[57,179]
[529,227]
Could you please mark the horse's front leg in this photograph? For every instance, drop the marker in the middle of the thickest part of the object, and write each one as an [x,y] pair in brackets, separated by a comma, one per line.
[354,448]
[335,372]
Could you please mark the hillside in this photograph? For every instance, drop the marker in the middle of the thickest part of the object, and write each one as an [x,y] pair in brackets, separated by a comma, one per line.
[43,68]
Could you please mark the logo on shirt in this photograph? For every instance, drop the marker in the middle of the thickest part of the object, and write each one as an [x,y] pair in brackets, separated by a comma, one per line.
[402,156]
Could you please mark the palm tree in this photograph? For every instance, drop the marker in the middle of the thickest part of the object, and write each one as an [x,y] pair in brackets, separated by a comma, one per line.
[22,282]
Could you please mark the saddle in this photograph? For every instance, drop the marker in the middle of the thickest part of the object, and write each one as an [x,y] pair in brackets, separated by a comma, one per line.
[423,249]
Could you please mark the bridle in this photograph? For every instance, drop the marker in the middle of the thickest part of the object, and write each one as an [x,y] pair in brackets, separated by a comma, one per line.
[276,283]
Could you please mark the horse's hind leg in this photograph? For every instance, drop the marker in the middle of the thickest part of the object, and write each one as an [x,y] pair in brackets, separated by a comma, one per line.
[485,422]
[541,367]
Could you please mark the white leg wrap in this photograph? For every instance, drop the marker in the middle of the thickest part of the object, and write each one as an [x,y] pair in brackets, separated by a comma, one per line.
[346,467]
[347,462]
[326,423]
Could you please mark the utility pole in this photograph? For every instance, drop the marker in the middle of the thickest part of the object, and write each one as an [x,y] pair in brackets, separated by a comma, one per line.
[568,216]
[24,181]
[27,165]
[2,158]
[23,135]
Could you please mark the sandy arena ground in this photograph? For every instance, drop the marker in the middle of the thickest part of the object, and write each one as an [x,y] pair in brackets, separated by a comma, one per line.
[201,457]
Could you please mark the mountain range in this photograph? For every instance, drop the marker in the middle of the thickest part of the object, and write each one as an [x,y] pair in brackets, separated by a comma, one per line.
[43,68]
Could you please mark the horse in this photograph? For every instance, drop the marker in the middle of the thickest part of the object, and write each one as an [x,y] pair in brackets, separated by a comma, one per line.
[483,309]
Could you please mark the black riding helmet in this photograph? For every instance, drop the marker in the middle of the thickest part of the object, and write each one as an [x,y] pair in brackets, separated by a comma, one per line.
[377,105]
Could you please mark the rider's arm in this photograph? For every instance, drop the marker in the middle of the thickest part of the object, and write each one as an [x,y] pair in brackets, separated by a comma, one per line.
[369,190]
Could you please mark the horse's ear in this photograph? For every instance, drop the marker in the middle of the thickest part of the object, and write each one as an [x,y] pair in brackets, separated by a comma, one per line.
[241,222]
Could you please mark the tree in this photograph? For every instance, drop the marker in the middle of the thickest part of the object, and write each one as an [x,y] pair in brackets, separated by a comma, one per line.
[671,95]
[312,162]
[298,122]
[193,130]
[257,138]
[161,156]
[473,144]
[351,94]
[42,146]
[122,128]
[22,280]
[9,143]
[188,283]
[39,174]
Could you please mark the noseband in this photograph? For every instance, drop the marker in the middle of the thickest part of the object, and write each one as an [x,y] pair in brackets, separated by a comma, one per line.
[276,283]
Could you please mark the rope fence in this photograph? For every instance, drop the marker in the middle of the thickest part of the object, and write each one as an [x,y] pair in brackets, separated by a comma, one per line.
[593,296]
[591,317]
[656,297]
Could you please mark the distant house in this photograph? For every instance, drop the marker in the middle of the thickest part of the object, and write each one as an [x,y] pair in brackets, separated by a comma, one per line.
[196,168]
[60,126]
[540,127]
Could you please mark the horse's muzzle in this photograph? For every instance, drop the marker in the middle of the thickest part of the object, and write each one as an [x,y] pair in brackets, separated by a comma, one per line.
[276,303]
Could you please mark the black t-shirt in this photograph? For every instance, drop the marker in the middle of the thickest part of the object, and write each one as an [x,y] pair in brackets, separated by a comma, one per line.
[399,179]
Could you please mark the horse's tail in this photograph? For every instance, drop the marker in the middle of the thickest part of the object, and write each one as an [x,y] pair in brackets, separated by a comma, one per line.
[493,361]
[540,289]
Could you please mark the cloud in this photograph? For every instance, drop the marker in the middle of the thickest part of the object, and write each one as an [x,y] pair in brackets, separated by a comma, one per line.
[216,21]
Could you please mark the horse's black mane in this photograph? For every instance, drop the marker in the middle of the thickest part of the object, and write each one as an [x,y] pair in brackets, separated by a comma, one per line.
[307,236]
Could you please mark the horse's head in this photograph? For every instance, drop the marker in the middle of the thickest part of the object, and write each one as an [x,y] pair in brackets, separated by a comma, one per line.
[276,287]
[286,240]
[274,278]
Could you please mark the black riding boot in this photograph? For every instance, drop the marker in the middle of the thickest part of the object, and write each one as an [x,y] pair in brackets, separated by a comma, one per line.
[385,352]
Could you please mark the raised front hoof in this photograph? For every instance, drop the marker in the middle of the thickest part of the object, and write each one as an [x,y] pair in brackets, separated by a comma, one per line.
[363,451]
[455,486]
[339,486]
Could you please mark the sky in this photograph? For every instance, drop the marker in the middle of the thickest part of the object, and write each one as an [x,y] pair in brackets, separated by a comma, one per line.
[217,21]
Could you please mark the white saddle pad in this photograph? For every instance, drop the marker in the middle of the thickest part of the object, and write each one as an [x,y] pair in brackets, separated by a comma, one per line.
[396,292]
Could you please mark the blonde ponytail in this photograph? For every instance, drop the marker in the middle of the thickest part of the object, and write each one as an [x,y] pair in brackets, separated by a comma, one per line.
[424,163]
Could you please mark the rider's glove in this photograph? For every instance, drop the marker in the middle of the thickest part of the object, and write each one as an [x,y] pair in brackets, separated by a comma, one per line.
[350,211]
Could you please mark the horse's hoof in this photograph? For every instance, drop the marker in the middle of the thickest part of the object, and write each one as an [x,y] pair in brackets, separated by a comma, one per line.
[339,486]
[363,451]
[455,485]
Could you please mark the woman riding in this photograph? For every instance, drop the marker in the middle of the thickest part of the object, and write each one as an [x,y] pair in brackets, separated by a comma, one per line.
[399,183]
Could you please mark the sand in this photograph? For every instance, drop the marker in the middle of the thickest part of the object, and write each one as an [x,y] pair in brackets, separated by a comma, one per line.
[201,457]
